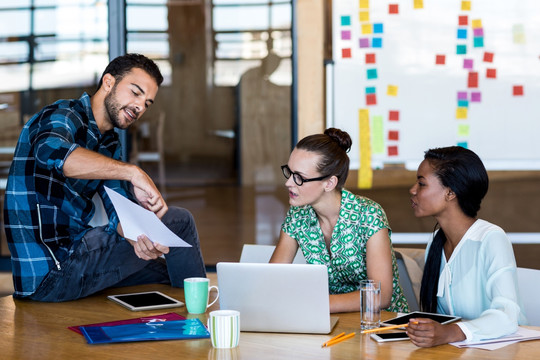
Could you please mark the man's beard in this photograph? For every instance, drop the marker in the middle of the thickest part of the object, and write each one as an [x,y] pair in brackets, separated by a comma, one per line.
[113,109]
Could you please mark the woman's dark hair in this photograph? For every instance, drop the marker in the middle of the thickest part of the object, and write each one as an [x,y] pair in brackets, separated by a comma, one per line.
[333,146]
[462,171]
[121,65]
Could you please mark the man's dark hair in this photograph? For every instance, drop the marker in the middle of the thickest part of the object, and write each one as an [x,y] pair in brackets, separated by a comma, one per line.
[121,65]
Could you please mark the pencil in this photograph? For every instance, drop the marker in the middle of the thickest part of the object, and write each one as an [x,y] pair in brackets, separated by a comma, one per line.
[340,339]
[384,328]
[332,339]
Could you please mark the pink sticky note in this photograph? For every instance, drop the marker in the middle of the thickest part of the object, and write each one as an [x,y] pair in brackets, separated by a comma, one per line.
[467,63]
[478,32]
[346,35]
[364,42]
[462,95]
[476,96]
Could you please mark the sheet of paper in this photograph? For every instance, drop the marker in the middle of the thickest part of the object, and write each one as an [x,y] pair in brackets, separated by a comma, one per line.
[522,334]
[136,220]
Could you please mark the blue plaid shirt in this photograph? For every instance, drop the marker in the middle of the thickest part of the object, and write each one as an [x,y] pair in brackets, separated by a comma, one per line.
[46,214]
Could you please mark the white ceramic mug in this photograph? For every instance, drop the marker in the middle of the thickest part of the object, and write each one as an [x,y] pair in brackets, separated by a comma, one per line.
[224,327]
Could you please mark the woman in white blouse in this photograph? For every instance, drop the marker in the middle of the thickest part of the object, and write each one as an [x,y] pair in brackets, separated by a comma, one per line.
[470,268]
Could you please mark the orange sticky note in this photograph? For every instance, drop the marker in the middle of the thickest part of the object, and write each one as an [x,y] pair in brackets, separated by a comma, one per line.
[393,115]
[488,56]
[370,58]
[393,8]
[473,79]
[393,151]
[491,73]
[518,90]
[345,53]
[440,59]
[393,135]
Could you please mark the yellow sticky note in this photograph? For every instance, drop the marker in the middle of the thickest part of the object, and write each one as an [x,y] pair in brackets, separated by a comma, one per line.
[464,130]
[365,173]
[466,5]
[364,16]
[519,38]
[476,24]
[365,178]
[392,90]
[418,4]
[461,112]
[364,4]
[367,29]
[377,134]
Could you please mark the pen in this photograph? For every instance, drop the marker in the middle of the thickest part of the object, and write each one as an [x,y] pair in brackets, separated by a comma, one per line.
[385,328]
[338,340]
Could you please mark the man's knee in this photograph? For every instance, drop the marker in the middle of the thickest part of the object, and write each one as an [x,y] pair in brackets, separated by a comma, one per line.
[181,222]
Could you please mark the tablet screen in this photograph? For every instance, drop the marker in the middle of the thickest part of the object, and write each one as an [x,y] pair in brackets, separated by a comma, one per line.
[443,319]
[146,300]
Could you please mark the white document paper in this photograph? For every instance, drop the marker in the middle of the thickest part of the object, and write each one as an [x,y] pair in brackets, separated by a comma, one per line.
[522,334]
[136,221]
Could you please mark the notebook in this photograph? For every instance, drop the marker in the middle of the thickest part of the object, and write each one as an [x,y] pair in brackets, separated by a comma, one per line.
[288,298]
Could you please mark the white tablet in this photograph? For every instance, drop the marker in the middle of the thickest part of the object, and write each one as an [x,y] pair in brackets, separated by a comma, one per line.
[404,319]
[394,336]
[146,301]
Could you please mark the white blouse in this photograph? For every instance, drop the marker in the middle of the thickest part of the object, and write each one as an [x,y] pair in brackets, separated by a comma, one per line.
[479,283]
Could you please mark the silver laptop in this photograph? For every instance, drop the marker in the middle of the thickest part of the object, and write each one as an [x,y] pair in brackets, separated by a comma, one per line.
[287,298]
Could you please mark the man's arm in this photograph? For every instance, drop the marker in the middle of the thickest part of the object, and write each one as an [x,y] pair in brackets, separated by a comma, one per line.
[86,164]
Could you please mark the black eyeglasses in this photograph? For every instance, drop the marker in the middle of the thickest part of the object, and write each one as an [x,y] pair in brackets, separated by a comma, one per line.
[298,179]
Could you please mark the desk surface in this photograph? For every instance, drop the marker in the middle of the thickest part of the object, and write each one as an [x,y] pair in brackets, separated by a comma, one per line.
[33,330]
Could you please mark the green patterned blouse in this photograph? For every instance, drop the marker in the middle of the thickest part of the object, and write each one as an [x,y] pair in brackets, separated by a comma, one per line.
[359,218]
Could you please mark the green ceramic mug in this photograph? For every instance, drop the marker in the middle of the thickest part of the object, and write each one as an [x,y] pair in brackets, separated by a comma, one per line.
[196,292]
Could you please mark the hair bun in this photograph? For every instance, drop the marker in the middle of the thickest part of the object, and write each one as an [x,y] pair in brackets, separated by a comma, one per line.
[341,137]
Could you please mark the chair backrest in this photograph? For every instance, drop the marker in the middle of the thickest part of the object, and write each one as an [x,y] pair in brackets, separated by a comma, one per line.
[529,290]
[262,253]
[406,282]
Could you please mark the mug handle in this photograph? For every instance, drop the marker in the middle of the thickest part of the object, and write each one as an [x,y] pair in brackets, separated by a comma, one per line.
[217,297]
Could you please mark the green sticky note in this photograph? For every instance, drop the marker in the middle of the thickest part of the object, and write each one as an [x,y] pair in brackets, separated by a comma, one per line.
[371,74]
[478,42]
[461,49]
[377,134]
[345,20]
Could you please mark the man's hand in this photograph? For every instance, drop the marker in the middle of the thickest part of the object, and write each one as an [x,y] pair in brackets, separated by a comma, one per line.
[146,249]
[147,194]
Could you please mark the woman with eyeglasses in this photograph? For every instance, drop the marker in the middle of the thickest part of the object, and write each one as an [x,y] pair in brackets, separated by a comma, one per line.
[346,232]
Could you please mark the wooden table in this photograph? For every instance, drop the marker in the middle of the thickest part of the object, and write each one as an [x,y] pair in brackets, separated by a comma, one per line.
[33,330]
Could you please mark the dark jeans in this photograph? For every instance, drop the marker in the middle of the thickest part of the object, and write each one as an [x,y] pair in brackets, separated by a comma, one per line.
[104,260]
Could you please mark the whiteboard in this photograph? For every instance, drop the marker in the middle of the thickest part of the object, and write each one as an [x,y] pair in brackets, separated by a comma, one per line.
[502,128]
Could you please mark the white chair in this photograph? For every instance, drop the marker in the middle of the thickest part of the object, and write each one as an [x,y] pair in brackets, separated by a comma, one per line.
[262,253]
[529,290]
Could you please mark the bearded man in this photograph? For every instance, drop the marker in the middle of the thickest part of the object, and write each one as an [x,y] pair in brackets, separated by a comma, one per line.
[67,153]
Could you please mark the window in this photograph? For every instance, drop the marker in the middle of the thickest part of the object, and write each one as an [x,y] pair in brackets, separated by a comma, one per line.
[147,32]
[244,31]
[52,44]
